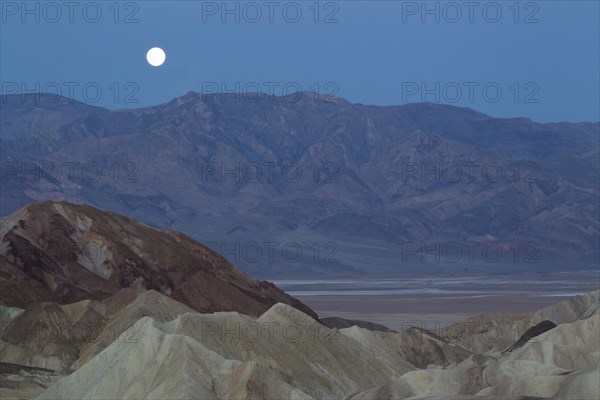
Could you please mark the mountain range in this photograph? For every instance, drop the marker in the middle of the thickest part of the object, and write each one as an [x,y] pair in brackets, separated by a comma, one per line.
[315,185]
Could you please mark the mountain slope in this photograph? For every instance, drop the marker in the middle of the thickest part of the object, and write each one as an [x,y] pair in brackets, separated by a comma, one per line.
[63,252]
[319,173]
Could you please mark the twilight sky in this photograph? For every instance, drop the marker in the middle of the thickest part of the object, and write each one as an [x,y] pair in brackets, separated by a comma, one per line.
[536,59]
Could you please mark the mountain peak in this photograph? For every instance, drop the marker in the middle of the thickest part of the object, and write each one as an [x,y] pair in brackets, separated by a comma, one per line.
[71,252]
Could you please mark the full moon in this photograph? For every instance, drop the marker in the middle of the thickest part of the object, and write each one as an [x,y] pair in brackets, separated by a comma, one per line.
[156,56]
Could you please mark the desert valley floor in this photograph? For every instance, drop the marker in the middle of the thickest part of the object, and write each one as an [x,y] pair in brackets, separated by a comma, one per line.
[440,300]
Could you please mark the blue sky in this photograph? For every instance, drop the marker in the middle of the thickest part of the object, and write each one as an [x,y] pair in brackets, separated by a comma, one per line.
[535,59]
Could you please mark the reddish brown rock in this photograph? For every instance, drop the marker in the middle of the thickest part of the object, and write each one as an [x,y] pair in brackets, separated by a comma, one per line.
[63,252]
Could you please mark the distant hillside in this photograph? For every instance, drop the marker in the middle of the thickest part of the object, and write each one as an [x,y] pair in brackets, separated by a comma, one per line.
[355,187]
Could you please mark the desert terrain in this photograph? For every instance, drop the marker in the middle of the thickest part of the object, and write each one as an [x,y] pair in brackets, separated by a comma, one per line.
[438,300]
[157,315]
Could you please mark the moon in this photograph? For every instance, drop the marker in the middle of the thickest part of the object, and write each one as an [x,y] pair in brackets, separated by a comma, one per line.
[156,56]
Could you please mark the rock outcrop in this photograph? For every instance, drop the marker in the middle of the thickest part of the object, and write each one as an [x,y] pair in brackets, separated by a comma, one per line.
[62,252]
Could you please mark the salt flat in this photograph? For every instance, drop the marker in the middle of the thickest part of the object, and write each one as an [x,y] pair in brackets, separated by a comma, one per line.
[440,300]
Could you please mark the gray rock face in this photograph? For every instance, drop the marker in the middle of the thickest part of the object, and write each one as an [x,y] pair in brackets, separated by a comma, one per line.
[532,332]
